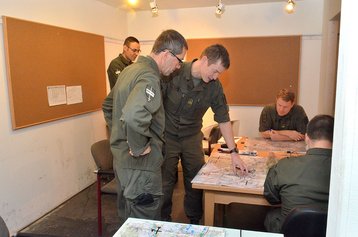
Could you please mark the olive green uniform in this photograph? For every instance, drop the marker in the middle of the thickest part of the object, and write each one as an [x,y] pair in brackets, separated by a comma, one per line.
[186,99]
[4,232]
[134,113]
[296,119]
[115,67]
[297,181]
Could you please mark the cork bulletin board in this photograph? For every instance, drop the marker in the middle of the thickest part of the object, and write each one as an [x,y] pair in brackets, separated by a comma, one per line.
[259,67]
[38,56]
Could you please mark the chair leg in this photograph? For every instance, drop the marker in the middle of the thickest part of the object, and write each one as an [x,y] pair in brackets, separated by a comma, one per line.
[99,206]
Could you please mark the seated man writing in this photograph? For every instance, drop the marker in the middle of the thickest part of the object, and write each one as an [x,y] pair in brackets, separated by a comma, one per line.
[283,121]
[301,181]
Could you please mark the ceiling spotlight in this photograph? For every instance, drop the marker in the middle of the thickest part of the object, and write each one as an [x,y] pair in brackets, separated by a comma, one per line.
[153,7]
[220,8]
[133,3]
[290,6]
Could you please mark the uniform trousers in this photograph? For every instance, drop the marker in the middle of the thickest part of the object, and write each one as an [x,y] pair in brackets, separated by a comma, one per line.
[139,188]
[274,220]
[190,153]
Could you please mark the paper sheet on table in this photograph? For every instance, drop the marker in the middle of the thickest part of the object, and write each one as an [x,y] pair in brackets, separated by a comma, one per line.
[139,228]
[218,171]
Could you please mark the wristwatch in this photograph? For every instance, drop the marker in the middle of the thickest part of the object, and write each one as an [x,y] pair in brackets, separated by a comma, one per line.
[234,150]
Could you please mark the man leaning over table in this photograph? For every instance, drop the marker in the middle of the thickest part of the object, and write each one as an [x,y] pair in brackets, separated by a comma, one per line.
[301,181]
[186,96]
[284,120]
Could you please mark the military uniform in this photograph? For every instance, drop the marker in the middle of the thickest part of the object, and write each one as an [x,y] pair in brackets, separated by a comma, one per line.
[297,181]
[296,119]
[135,115]
[115,67]
[186,99]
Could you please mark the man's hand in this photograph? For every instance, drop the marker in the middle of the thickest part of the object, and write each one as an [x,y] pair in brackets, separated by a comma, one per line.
[286,135]
[296,136]
[238,165]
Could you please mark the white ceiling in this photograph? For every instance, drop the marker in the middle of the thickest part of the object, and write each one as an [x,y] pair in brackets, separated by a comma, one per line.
[174,4]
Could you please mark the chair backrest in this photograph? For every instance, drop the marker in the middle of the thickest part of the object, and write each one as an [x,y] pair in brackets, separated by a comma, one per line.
[102,155]
[214,135]
[305,221]
[207,130]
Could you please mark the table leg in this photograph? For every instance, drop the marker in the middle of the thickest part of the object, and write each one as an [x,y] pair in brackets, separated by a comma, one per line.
[209,208]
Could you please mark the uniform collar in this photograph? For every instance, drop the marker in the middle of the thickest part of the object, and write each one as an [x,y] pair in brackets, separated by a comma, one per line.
[187,75]
[319,151]
[149,60]
[124,60]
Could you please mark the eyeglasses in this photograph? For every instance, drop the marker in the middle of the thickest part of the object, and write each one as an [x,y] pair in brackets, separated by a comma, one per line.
[134,50]
[180,61]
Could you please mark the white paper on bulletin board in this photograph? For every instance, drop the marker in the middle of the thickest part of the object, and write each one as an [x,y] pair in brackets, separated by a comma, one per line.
[74,94]
[56,95]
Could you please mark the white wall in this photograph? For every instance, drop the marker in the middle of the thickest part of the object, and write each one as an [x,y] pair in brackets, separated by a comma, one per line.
[44,165]
[343,204]
[264,19]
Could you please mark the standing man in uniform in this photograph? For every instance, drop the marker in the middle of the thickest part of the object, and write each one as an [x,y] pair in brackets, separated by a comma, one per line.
[283,121]
[302,181]
[131,49]
[187,95]
[134,113]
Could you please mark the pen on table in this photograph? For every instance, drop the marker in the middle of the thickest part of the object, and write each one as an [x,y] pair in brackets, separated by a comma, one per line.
[248,171]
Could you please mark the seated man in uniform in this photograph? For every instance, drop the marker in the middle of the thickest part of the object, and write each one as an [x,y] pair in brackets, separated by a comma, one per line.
[283,121]
[301,181]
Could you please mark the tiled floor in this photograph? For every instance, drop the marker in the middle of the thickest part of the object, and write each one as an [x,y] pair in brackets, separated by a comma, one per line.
[78,216]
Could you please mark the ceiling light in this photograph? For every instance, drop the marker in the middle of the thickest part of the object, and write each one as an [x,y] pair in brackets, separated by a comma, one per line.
[220,8]
[132,3]
[290,6]
[153,7]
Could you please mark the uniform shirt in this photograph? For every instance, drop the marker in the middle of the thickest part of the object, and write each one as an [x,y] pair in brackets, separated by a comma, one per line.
[186,99]
[300,181]
[115,67]
[133,110]
[296,119]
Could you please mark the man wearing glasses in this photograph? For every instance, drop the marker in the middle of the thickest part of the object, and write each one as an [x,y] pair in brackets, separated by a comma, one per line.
[131,49]
[134,113]
[187,95]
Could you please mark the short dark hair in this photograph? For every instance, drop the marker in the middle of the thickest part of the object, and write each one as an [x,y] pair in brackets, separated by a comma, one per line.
[217,52]
[171,40]
[321,128]
[130,39]
[286,95]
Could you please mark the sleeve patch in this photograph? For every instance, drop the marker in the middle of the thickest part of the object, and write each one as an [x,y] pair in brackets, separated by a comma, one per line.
[150,93]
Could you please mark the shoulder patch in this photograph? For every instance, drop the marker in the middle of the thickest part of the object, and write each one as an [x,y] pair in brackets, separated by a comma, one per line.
[150,92]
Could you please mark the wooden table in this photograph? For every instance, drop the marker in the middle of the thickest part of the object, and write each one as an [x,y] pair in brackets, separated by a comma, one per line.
[220,185]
